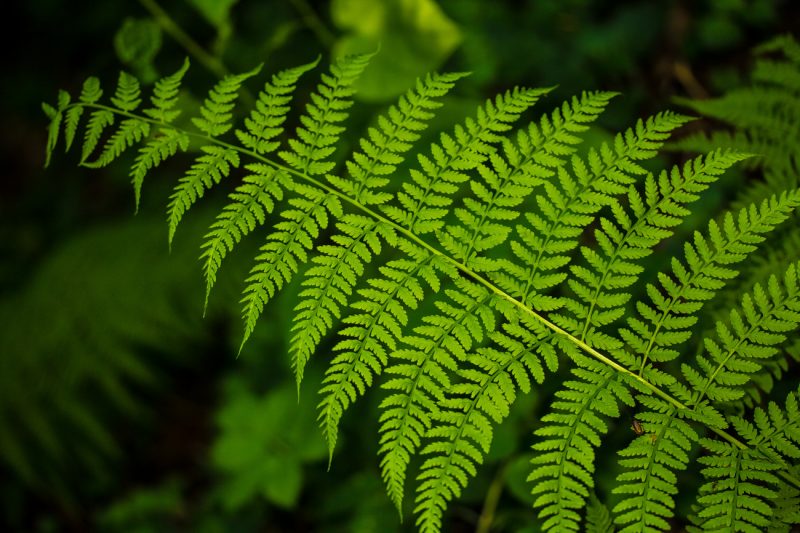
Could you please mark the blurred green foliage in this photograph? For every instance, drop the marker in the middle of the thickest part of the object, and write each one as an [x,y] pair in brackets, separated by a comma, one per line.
[263,444]
[414,36]
[97,320]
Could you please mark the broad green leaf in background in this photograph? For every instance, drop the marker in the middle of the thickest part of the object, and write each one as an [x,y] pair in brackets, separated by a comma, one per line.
[137,42]
[217,13]
[263,444]
[144,510]
[414,36]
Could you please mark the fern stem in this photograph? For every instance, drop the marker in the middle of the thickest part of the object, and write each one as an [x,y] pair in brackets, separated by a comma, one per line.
[459,265]
[314,23]
[184,39]
[492,499]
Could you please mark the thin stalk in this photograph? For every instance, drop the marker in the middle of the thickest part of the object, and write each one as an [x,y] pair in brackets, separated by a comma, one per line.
[184,39]
[491,501]
[314,23]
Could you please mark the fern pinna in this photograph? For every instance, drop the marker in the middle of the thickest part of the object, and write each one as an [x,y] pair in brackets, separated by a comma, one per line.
[526,249]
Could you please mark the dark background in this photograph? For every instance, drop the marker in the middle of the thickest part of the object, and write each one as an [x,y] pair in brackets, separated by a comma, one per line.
[121,407]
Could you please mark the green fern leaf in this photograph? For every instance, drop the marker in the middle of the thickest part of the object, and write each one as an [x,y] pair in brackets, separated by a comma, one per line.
[765,115]
[165,96]
[565,463]
[52,131]
[739,486]
[424,202]
[397,131]
[666,321]
[372,331]
[420,377]
[602,285]
[265,122]
[589,223]
[309,152]
[90,93]
[71,121]
[130,132]
[217,110]
[395,135]
[286,248]
[509,179]
[598,519]
[751,337]
[253,199]
[650,461]
[461,430]
[98,121]
[248,208]
[569,204]
[785,507]
[331,280]
[776,432]
[161,146]
[207,170]
[320,126]
[127,97]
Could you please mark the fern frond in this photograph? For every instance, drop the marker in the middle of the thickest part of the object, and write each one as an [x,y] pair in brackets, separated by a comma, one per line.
[564,464]
[601,287]
[386,145]
[785,507]
[98,122]
[90,93]
[371,332]
[129,132]
[216,113]
[569,204]
[127,96]
[383,151]
[420,378]
[320,127]
[286,249]
[740,483]
[331,280]
[511,175]
[248,208]
[457,373]
[56,116]
[253,199]
[424,200]
[207,170]
[166,142]
[775,431]
[717,382]
[666,321]
[598,519]
[764,115]
[750,337]
[266,120]
[71,121]
[775,434]
[165,96]
[160,147]
[538,147]
[649,483]
[461,430]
